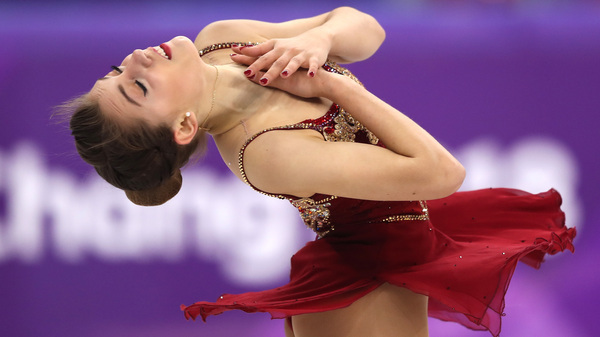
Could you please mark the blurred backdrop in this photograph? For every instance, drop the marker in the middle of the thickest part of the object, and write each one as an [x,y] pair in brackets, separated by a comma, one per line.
[511,87]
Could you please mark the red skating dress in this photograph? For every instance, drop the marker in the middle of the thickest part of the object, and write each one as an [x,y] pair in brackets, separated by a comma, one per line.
[460,251]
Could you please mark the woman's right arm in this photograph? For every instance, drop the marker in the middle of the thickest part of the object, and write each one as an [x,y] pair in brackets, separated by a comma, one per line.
[343,35]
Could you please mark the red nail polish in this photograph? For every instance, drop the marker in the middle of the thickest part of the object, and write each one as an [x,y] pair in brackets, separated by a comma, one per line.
[242,47]
[252,77]
[232,54]
[264,81]
[234,45]
[311,74]
[248,72]
[285,73]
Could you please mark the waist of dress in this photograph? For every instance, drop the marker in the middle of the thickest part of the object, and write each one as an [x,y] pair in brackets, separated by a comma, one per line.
[402,217]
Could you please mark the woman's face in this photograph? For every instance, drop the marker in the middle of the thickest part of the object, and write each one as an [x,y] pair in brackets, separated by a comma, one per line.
[155,84]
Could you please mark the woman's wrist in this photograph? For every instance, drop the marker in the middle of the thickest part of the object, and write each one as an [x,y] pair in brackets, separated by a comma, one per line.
[325,35]
[338,88]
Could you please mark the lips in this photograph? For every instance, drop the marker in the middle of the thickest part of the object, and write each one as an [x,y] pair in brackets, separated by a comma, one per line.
[167,50]
[163,50]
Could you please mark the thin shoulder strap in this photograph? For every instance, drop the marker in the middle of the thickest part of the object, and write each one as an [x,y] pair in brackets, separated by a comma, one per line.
[298,126]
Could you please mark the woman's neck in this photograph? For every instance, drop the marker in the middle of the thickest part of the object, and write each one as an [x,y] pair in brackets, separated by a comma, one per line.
[236,99]
[242,103]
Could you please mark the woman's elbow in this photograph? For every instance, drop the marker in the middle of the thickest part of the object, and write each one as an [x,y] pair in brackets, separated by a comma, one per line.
[459,174]
[436,180]
[443,179]
[453,177]
[376,31]
[368,24]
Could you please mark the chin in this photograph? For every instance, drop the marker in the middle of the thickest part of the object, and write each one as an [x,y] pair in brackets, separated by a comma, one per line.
[183,40]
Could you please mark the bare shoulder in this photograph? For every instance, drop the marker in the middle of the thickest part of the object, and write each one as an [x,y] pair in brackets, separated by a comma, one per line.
[273,160]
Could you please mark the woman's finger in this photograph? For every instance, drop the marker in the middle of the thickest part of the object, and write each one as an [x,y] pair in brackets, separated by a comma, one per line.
[313,66]
[256,77]
[277,67]
[262,62]
[292,66]
[243,59]
[255,50]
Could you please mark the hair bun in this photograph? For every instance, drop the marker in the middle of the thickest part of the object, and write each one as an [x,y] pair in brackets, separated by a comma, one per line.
[157,195]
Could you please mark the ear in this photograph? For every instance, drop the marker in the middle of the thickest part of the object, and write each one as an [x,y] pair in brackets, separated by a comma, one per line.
[185,128]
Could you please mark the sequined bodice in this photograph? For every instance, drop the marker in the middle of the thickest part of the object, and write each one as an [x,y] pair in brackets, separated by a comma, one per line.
[323,213]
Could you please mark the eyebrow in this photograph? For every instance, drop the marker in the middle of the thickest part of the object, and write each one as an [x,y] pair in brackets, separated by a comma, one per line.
[122,90]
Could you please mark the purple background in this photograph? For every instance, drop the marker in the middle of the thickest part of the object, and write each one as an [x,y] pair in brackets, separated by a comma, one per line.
[510,86]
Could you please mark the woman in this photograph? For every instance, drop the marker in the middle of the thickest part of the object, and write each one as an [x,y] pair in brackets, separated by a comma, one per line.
[380,264]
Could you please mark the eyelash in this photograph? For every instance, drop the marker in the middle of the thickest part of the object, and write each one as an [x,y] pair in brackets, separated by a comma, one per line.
[138,83]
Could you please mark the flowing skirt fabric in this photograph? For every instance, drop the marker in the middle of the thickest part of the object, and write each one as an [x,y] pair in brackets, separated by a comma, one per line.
[462,258]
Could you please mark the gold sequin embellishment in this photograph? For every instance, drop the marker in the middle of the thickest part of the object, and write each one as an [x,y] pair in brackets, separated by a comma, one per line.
[346,126]
[315,214]
[404,217]
[408,217]
[345,129]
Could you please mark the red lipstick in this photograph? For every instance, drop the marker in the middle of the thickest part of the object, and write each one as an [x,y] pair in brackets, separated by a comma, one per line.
[167,50]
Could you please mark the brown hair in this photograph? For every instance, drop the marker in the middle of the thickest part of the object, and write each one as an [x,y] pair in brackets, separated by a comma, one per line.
[141,159]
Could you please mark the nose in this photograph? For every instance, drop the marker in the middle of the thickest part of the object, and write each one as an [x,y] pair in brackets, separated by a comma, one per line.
[139,57]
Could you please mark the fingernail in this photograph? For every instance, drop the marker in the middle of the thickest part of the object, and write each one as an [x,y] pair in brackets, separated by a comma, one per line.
[252,77]
[248,72]
[264,81]
[242,47]
[284,73]
[311,74]
[232,54]
[234,44]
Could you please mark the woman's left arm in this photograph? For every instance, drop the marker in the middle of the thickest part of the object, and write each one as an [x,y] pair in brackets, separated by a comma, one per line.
[343,35]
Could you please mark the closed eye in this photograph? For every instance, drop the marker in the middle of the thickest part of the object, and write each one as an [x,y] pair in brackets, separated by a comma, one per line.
[138,83]
[142,87]
[117,69]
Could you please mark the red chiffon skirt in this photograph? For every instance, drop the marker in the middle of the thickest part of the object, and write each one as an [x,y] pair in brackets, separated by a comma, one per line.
[462,259]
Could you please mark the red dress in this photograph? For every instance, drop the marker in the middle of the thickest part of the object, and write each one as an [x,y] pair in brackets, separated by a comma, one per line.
[460,251]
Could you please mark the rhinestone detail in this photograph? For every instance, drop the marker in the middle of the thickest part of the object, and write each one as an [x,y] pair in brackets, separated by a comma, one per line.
[315,214]
[404,217]
[408,217]
[224,45]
